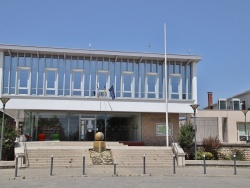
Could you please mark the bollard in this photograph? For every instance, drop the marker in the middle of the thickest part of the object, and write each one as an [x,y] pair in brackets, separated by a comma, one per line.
[51,165]
[204,164]
[16,167]
[144,164]
[235,165]
[174,163]
[114,168]
[83,165]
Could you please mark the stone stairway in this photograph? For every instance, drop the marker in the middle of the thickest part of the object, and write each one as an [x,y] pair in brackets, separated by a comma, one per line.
[133,156]
[70,154]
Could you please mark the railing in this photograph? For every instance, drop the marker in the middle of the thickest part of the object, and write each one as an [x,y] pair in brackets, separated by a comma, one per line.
[175,149]
[26,158]
[179,153]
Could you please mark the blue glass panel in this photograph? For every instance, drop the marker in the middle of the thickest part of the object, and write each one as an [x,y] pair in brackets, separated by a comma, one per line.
[67,77]
[77,79]
[24,76]
[48,61]
[51,79]
[174,83]
[106,64]
[160,75]
[87,75]
[61,76]
[151,83]
[130,65]
[93,78]
[21,60]
[55,61]
[28,60]
[74,63]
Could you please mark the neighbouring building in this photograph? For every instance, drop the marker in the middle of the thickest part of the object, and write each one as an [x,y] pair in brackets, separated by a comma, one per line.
[70,94]
[228,119]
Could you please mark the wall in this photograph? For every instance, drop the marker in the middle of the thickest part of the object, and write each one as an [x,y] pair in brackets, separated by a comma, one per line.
[149,122]
[233,117]
[230,149]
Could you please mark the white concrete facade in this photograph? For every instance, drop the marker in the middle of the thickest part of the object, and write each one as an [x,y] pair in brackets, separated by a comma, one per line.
[20,82]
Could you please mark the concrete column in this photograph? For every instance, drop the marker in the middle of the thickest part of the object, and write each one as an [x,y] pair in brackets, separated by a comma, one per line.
[220,134]
[1,70]
[194,83]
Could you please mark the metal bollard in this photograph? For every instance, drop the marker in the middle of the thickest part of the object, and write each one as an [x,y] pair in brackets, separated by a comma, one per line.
[174,164]
[114,168]
[16,167]
[204,157]
[144,164]
[235,165]
[83,165]
[51,165]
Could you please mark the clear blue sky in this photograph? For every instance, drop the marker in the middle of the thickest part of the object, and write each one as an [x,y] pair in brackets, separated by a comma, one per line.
[217,30]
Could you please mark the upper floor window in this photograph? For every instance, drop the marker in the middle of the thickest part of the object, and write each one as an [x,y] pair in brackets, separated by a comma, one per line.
[51,82]
[23,80]
[67,75]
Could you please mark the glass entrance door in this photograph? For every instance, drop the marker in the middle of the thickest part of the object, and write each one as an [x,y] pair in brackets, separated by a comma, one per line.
[87,129]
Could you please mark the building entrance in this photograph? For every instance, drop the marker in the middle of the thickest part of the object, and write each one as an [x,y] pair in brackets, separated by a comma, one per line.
[87,129]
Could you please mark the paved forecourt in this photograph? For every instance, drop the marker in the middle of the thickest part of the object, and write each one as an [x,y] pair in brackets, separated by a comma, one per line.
[126,177]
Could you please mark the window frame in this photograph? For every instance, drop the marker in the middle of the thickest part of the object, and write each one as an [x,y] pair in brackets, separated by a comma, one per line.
[46,88]
[18,80]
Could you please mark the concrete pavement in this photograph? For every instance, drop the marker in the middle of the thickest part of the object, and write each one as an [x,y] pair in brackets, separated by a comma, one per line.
[192,176]
[109,170]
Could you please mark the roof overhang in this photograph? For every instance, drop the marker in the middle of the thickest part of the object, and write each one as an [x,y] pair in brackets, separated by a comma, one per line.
[97,53]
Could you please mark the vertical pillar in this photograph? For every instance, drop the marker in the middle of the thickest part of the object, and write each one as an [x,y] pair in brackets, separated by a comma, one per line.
[1,69]
[194,83]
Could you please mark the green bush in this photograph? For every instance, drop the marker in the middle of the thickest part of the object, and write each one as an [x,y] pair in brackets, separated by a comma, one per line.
[212,145]
[9,138]
[186,139]
[208,155]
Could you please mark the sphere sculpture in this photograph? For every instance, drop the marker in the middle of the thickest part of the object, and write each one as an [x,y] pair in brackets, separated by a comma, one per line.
[99,136]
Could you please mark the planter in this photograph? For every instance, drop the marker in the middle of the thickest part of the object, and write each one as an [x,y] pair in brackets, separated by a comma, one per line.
[41,137]
[55,136]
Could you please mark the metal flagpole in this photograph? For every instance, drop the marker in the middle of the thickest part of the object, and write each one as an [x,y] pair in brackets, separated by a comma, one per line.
[166,85]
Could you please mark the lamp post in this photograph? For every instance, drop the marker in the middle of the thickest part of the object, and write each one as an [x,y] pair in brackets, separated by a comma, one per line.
[4,101]
[245,113]
[194,107]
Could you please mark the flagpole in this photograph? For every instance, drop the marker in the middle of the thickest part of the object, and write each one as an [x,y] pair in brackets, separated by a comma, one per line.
[166,84]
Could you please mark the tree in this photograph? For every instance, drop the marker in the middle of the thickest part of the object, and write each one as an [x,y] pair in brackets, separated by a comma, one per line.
[186,138]
[9,138]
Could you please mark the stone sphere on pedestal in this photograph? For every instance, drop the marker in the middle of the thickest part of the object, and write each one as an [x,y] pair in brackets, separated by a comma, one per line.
[99,136]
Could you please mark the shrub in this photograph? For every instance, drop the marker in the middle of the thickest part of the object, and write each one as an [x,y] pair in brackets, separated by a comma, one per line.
[186,137]
[208,155]
[212,145]
[9,138]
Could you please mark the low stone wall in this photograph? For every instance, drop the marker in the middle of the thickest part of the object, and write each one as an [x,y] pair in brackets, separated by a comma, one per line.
[231,149]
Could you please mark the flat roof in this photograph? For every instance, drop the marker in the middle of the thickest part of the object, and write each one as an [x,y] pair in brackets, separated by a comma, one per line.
[97,53]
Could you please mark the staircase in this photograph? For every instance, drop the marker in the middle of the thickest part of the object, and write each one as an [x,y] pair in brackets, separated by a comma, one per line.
[70,154]
[133,156]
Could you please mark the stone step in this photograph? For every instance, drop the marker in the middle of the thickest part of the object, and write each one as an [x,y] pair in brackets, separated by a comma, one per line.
[70,154]
[65,143]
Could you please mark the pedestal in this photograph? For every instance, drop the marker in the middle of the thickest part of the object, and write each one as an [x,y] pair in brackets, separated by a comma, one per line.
[99,146]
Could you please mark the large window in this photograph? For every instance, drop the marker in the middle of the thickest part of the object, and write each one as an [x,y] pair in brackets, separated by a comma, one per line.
[51,81]
[69,75]
[152,85]
[175,86]
[127,84]
[23,80]
[103,83]
[77,82]
[243,131]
